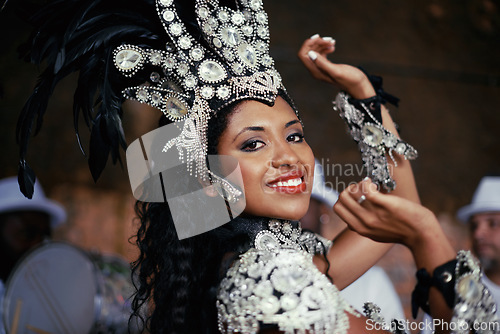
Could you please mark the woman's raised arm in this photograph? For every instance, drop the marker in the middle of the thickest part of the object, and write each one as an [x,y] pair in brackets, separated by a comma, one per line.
[350,247]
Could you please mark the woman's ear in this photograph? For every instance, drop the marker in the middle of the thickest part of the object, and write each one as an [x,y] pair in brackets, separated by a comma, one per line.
[209,188]
[211,191]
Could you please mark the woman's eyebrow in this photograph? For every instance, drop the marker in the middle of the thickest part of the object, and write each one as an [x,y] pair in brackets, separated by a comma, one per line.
[248,128]
[260,128]
[291,123]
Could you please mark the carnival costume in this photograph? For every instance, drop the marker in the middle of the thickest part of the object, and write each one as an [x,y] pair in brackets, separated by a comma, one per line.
[148,52]
[276,283]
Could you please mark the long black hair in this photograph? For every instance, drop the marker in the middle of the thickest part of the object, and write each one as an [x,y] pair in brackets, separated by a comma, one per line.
[178,279]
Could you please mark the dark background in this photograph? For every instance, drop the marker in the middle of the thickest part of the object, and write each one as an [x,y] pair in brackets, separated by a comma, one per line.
[440,57]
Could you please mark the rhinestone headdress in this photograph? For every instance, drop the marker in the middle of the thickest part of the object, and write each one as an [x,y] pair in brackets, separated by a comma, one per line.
[188,58]
[195,79]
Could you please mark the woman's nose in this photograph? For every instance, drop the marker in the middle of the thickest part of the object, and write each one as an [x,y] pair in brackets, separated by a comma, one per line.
[284,155]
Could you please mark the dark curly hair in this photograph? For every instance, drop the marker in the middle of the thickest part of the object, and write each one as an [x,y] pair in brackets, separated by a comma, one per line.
[176,280]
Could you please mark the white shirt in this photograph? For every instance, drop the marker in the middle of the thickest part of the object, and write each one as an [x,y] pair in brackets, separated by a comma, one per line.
[375,286]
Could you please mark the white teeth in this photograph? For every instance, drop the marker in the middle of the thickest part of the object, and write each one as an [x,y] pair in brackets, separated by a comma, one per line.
[288,183]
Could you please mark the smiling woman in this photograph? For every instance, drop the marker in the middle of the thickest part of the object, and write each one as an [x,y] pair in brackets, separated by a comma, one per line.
[206,66]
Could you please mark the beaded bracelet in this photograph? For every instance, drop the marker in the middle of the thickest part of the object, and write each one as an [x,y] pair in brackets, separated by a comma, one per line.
[459,281]
[364,121]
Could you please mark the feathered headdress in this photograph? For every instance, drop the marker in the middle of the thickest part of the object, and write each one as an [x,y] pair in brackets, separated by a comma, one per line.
[187,58]
[80,36]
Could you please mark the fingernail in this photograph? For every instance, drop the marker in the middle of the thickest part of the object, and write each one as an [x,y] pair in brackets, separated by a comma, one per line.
[313,55]
[314,36]
[367,179]
[329,39]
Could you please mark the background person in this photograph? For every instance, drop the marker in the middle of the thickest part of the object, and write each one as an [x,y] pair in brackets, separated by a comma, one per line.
[482,216]
[24,224]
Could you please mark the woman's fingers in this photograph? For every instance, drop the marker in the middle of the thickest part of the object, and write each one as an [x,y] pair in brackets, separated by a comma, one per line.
[385,203]
[360,193]
[313,54]
[347,216]
[309,52]
[351,200]
[385,217]
[322,45]
[364,212]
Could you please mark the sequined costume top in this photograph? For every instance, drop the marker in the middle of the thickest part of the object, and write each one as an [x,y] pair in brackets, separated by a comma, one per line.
[275,283]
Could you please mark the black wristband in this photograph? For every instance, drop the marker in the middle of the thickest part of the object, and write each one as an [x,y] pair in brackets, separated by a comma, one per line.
[377,84]
[372,104]
[443,279]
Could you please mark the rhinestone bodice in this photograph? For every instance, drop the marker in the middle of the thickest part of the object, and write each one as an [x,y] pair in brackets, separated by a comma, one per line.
[276,283]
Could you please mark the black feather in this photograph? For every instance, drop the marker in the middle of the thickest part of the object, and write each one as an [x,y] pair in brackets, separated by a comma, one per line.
[3,5]
[79,36]
[26,179]
[99,148]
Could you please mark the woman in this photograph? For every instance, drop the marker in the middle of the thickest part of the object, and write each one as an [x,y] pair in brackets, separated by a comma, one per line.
[269,144]
[259,272]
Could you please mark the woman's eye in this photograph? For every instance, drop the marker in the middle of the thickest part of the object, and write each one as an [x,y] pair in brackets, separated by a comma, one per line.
[252,145]
[296,137]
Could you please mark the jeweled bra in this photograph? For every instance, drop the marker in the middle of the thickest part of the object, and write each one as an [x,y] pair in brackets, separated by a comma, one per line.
[275,283]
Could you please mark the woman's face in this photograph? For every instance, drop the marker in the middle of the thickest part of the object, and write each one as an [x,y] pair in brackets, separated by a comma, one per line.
[276,162]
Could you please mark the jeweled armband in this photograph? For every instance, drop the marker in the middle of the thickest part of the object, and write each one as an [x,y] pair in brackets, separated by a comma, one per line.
[459,281]
[364,120]
[474,307]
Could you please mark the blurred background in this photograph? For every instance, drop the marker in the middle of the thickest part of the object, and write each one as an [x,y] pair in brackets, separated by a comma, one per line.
[440,57]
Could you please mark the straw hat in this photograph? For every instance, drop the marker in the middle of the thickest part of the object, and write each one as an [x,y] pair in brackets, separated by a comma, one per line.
[485,199]
[11,199]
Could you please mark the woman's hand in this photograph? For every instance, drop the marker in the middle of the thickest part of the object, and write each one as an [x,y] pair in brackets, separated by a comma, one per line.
[385,218]
[313,55]
[389,218]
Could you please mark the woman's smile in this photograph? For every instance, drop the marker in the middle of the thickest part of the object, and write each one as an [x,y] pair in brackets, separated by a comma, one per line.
[290,183]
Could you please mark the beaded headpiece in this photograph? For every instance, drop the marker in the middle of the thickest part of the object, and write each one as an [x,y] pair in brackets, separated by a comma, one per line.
[189,59]
[197,78]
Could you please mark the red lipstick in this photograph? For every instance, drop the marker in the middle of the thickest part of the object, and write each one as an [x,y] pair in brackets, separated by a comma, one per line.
[290,183]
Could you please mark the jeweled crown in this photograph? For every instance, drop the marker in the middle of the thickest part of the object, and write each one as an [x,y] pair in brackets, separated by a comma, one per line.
[236,66]
[194,80]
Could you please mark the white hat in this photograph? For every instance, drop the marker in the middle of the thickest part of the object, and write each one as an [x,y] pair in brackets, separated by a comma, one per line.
[485,199]
[320,190]
[11,199]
